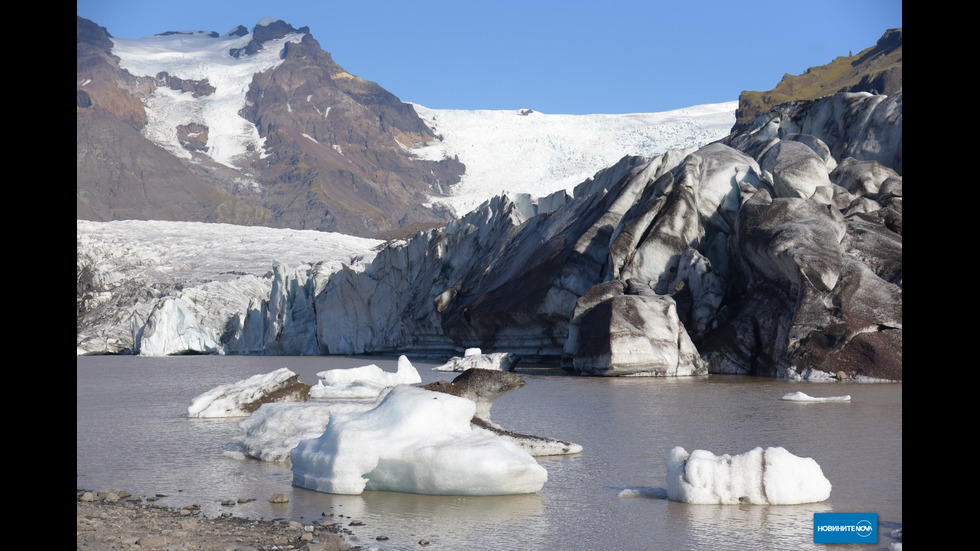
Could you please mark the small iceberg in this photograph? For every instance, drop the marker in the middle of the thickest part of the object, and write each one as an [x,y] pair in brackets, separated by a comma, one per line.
[415,441]
[772,476]
[365,382]
[241,398]
[474,358]
[802,397]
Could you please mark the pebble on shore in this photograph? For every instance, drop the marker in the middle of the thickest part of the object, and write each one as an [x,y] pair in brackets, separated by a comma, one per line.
[115,519]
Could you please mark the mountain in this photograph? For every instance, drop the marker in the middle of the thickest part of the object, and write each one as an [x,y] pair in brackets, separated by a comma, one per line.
[253,127]
[877,69]
[262,127]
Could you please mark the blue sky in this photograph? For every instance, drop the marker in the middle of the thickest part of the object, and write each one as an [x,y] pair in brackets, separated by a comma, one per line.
[569,57]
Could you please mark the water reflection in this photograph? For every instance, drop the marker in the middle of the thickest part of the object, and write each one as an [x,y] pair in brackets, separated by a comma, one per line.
[747,526]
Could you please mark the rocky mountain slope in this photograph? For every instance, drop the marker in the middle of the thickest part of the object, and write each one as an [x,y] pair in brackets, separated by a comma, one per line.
[310,146]
[877,69]
[264,128]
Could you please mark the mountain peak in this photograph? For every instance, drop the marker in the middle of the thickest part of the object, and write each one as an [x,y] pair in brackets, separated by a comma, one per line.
[240,30]
[280,135]
[265,31]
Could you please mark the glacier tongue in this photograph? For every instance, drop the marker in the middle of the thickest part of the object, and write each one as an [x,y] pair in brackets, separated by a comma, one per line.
[716,242]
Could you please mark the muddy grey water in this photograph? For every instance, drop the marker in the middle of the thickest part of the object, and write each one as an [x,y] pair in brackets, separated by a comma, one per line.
[133,433]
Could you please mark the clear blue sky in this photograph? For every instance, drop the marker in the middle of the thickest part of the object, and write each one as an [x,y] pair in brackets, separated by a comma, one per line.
[569,56]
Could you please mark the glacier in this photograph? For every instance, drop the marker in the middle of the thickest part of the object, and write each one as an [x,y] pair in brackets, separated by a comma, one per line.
[784,238]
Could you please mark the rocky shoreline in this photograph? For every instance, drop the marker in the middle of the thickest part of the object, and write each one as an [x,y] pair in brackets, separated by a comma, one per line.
[116,519]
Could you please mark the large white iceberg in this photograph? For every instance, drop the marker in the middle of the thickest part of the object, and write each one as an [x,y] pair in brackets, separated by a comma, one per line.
[772,476]
[241,398]
[275,429]
[414,441]
[363,382]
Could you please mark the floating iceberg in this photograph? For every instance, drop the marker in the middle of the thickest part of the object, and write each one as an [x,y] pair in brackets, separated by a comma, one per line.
[772,476]
[275,429]
[241,398]
[802,397]
[414,441]
[363,382]
[474,358]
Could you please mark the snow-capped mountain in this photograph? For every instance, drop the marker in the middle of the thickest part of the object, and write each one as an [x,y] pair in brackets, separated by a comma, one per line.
[262,127]
[255,127]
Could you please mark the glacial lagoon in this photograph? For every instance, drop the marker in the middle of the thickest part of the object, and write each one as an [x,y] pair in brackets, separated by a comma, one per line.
[133,434]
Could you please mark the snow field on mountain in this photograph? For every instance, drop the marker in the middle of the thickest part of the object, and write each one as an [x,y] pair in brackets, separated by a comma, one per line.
[504,151]
[198,56]
[508,152]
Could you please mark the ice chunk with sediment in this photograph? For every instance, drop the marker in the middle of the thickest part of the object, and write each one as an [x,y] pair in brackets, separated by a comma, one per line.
[772,476]
[414,441]
[241,398]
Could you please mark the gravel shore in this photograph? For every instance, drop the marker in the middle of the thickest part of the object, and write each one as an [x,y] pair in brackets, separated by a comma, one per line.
[114,519]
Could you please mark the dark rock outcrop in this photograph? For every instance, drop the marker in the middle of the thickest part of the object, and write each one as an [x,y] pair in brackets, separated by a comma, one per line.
[627,334]
[120,173]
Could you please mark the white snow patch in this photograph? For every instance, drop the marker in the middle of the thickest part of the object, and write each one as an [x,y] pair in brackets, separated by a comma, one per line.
[197,56]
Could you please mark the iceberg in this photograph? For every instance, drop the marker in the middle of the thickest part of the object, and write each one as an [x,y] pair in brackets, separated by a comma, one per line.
[772,476]
[275,429]
[363,382]
[474,358]
[415,441]
[241,398]
[803,397]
